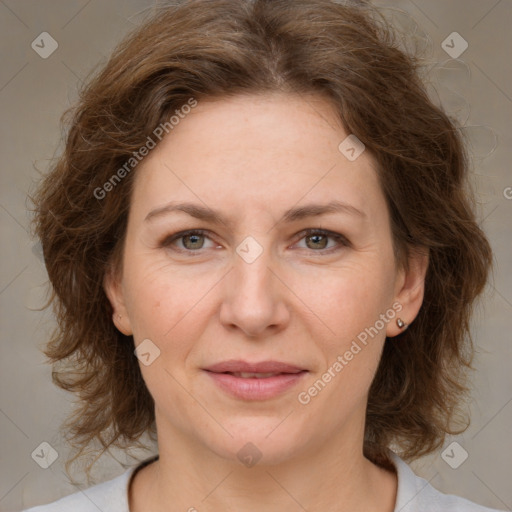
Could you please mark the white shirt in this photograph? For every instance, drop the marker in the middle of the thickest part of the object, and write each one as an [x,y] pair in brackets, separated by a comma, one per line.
[414,494]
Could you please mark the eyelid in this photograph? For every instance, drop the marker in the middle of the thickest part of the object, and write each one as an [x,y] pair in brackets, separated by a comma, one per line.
[341,240]
[331,234]
[168,240]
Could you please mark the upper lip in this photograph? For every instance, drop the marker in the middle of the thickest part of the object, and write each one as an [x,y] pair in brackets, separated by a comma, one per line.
[235,366]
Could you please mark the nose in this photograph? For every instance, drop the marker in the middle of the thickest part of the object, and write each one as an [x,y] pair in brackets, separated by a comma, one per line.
[255,297]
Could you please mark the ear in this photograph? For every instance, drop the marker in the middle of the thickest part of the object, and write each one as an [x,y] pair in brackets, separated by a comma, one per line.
[112,284]
[409,290]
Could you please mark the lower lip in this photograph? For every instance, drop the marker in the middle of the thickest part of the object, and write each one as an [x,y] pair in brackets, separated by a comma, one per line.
[256,389]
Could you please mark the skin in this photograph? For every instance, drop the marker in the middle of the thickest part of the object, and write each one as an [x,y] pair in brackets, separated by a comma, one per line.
[302,301]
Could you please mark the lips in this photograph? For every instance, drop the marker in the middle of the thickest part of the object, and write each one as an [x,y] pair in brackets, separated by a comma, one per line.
[250,375]
[236,366]
[255,381]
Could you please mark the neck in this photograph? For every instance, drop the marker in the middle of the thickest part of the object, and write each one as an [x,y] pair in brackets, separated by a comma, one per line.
[330,476]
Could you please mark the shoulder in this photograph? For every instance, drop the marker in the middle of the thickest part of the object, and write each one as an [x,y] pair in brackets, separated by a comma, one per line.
[416,494]
[110,496]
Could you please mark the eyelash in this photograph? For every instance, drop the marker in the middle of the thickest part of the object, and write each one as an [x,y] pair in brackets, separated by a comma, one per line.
[340,239]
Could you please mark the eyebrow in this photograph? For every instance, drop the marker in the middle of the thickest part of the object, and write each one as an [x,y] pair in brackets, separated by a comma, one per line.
[293,214]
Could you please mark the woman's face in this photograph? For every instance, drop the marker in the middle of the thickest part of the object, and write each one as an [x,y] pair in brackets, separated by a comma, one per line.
[255,288]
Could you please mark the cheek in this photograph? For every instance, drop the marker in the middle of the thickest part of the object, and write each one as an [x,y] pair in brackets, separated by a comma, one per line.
[159,300]
[351,306]
[348,299]
[365,299]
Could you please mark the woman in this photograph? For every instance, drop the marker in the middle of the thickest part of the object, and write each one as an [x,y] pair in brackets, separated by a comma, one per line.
[260,199]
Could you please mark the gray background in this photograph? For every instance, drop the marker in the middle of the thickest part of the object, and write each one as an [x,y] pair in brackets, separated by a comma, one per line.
[476,88]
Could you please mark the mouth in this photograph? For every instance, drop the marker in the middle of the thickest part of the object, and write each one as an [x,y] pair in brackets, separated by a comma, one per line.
[249,375]
[255,381]
[264,367]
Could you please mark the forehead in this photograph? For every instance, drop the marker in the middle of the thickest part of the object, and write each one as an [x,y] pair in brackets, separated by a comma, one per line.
[265,151]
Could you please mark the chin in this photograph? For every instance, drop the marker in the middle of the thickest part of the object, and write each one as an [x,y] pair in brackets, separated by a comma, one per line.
[259,441]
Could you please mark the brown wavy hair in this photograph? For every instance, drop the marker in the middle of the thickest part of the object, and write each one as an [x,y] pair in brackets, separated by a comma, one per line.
[348,54]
